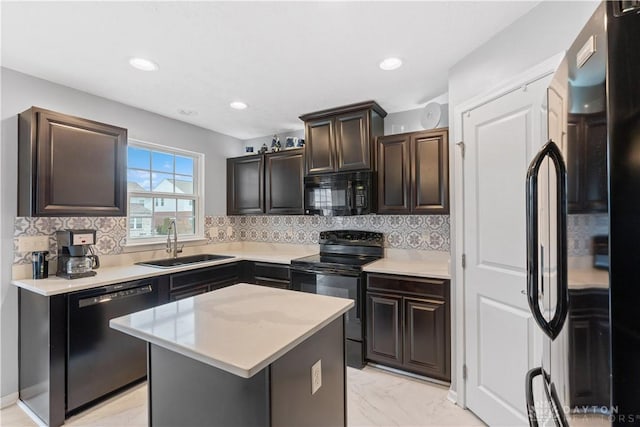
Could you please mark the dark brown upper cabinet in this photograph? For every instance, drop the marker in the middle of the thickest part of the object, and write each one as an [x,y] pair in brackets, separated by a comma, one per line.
[245,185]
[284,172]
[341,139]
[587,163]
[413,173]
[266,183]
[69,166]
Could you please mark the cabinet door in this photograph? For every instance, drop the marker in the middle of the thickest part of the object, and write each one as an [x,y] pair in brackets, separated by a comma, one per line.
[353,144]
[595,180]
[574,164]
[320,145]
[426,349]
[384,333]
[284,173]
[587,163]
[245,186]
[394,174]
[79,170]
[430,172]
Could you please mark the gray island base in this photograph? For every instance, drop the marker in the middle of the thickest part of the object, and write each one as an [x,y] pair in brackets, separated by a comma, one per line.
[245,355]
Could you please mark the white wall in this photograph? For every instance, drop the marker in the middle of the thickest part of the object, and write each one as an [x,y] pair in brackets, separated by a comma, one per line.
[19,92]
[546,30]
[411,120]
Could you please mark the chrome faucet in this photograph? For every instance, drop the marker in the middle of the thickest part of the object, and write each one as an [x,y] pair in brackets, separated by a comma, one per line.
[173,249]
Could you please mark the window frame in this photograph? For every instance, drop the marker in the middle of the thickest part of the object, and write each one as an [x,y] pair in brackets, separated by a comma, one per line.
[198,194]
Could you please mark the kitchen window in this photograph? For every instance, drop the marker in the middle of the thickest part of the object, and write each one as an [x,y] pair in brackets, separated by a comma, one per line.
[163,183]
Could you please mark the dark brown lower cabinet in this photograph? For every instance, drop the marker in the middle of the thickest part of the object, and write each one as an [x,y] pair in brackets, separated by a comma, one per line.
[589,348]
[384,338]
[267,274]
[408,324]
[194,282]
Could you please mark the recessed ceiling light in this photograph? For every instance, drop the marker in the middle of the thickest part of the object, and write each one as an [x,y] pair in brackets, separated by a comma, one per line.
[187,112]
[143,64]
[389,64]
[238,105]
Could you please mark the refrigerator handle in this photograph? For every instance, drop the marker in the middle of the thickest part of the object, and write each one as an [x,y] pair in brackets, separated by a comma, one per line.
[554,406]
[531,406]
[554,326]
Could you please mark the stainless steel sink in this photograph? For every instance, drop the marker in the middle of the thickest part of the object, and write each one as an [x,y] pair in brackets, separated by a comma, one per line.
[191,259]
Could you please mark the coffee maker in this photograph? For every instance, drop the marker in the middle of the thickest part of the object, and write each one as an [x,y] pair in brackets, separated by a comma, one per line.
[75,253]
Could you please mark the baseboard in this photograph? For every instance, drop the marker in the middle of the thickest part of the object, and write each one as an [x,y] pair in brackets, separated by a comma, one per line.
[408,374]
[36,419]
[452,396]
[8,400]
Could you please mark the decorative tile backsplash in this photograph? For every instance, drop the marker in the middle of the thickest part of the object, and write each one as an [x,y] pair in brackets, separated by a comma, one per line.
[111,233]
[581,229]
[424,232]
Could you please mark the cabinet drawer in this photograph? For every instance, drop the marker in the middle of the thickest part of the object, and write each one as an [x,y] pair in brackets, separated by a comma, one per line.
[271,271]
[188,292]
[434,288]
[274,283]
[211,275]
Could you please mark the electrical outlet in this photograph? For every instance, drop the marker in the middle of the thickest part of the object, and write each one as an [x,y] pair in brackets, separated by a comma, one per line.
[229,230]
[316,376]
[213,232]
[33,243]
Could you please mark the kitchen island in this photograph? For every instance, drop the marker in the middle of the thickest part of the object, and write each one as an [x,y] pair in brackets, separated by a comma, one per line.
[245,355]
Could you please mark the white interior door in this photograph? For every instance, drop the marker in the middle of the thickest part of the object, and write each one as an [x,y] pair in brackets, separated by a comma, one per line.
[502,340]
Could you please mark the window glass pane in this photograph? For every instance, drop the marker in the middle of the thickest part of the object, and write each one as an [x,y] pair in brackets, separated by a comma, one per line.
[162,162]
[186,207]
[184,165]
[138,158]
[164,206]
[140,206]
[161,222]
[140,226]
[186,225]
[162,182]
[138,180]
[184,184]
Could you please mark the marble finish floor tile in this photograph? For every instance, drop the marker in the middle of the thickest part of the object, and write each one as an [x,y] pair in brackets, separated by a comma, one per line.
[375,398]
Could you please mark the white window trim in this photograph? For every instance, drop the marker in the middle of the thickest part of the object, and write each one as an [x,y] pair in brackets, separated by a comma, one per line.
[198,183]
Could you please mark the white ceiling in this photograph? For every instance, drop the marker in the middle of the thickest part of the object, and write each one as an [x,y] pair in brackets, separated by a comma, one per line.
[282,58]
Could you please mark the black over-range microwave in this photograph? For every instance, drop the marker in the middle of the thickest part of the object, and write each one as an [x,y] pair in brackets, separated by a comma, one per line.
[339,194]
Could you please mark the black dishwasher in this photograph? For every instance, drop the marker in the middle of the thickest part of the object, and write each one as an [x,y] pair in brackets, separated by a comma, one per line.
[101,360]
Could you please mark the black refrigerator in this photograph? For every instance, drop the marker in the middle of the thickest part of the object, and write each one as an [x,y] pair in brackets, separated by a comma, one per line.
[583,230]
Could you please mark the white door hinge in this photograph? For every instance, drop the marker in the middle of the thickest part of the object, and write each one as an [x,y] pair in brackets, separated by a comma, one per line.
[462,147]
[464,261]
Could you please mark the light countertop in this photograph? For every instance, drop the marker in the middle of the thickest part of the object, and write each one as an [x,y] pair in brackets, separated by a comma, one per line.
[240,329]
[582,275]
[412,263]
[121,268]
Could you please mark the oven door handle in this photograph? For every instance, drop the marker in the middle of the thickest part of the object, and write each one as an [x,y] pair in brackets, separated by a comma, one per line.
[332,271]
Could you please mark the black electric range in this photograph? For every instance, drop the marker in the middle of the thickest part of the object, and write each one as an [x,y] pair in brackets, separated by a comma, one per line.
[337,271]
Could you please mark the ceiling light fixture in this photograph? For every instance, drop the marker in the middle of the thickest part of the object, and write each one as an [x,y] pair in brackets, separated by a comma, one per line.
[389,64]
[143,64]
[187,112]
[238,105]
